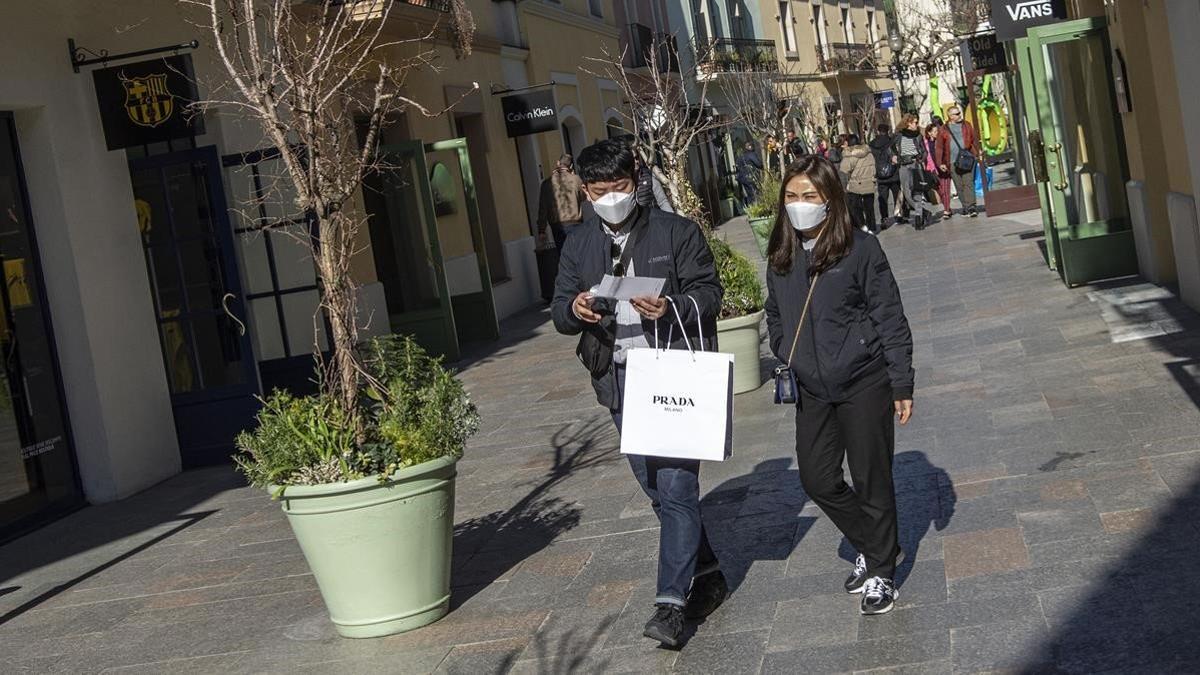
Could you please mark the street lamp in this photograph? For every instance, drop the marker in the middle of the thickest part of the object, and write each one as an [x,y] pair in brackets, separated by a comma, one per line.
[896,43]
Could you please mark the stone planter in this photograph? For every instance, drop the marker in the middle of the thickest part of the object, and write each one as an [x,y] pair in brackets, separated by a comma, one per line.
[761,227]
[740,336]
[728,209]
[380,552]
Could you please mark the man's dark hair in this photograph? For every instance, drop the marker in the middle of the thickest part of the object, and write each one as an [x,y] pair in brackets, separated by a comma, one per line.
[883,129]
[853,139]
[605,161]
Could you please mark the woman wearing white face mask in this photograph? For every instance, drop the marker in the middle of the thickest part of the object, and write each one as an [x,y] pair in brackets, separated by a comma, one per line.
[835,318]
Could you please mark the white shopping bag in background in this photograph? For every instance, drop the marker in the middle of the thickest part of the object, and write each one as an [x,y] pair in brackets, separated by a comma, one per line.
[678,403]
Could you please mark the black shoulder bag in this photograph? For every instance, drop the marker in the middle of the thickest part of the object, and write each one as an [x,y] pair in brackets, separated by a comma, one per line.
[964,161]
[786,389]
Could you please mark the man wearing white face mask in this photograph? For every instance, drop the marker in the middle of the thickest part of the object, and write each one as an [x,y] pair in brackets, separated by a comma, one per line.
[835,318]
[624,238]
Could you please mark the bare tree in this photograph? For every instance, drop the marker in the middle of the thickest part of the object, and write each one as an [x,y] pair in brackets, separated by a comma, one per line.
[769,103]
[665,116]
[315,79]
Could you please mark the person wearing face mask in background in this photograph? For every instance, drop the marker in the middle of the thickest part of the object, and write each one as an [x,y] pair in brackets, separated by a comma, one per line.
[624,238]
[835,317]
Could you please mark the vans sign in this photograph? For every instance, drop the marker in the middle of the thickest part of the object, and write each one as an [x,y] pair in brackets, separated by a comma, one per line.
[1013,18]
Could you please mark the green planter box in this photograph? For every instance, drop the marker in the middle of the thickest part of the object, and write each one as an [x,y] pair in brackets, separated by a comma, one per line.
[761,227]
[380,552]
[740,336]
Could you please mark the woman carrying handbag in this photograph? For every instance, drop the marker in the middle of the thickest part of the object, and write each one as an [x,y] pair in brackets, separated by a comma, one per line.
[835,318]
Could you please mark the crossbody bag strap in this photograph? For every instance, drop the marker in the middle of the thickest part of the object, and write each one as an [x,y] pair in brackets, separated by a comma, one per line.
[803,313]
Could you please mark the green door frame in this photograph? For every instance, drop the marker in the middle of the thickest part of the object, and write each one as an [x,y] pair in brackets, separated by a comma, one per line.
[1088,251]
[490,325]
[1037,150]
[414,151]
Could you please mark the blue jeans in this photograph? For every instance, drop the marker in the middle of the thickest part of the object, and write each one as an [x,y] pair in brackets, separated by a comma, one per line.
[673,486]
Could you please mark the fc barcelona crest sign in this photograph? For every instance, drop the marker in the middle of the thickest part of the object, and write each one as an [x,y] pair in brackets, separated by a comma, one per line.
[146,102]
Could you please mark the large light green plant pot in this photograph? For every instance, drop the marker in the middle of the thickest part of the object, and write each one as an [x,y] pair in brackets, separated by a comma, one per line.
[761,227]
[380,552]
[739,336]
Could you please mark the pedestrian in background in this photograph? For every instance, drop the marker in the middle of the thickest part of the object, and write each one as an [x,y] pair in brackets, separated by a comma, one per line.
[887,174]
[559,201]
[909,147]
[859,164]
[749,173]
[943,188]
[794,147]
[623,237]
[958,155]
[835,317]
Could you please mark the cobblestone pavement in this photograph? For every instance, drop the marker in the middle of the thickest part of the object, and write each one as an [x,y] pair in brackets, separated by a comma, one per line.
[1049,493]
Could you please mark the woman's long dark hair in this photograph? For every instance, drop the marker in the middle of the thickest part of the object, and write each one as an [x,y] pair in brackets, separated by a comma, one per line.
[837,234]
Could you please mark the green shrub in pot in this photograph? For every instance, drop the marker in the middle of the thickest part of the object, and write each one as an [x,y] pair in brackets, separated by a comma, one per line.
[373,510]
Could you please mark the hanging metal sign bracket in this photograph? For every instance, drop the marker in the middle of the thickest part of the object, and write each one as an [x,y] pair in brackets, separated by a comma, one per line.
[79,55]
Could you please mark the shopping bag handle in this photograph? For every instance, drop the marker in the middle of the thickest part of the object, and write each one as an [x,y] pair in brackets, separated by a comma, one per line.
[671,334]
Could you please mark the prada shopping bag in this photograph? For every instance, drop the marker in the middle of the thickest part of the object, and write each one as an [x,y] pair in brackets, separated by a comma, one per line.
[678,403]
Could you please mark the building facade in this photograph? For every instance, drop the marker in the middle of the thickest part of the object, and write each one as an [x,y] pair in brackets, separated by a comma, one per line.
[143,313]
[834,54]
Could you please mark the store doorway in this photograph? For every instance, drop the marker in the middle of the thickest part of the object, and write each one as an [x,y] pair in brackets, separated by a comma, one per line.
[38,480]
[428,245]
[198,303]
[471,127]
[1073,111]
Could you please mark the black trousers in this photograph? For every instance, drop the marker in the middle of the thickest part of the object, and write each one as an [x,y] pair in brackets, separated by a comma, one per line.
[862,431]
[862,210]
[883,190]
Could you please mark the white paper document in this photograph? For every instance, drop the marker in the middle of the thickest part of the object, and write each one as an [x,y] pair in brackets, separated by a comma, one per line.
[627,288]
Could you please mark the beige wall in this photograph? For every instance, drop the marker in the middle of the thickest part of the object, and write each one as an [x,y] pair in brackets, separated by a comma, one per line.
[804,60]
[561,40]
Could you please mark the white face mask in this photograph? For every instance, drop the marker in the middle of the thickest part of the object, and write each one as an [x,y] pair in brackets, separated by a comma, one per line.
[806,216]
[614,207]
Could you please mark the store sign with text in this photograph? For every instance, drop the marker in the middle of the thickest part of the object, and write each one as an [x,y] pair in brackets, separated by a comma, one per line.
[1012,19]
[985,53]
[529,113]
[146,102]
[885,100]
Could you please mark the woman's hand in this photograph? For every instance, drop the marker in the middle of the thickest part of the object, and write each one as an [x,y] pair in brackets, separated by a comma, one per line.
[904,410]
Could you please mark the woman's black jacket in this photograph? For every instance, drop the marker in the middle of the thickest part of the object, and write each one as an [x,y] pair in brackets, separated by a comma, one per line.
[855,328]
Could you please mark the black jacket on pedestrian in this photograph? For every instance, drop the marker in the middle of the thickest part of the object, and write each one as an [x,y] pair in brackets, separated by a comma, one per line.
[749,166]
[670,247]
[919,140]
[881,147]
[855,328]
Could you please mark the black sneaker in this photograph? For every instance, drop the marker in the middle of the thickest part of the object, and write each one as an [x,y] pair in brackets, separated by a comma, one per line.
[857,578]
[974,212]
[879,596]
[707,594]
[666,625]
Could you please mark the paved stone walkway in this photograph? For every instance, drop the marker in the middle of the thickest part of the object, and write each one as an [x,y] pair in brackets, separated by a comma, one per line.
[1049,493]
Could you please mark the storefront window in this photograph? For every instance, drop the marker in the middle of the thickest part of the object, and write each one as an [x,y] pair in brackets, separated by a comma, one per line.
[37,470]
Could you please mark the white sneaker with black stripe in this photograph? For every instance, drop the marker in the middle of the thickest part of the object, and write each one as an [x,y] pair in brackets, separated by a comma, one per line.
[879,596]
[857,578]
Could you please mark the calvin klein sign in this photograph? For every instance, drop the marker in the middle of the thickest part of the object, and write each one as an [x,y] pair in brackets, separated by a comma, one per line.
[530,112]
[1013,18]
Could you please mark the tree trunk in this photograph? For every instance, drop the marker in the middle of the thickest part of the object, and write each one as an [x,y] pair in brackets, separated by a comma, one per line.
[339,300]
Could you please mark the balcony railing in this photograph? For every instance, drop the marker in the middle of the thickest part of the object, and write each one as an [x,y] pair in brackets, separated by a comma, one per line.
[643,43]
[847,58]
[436,5]
[734,55]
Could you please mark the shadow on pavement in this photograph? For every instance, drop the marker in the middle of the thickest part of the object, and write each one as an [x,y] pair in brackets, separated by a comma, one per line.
[488,546]
[188,520]
[1139,615]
